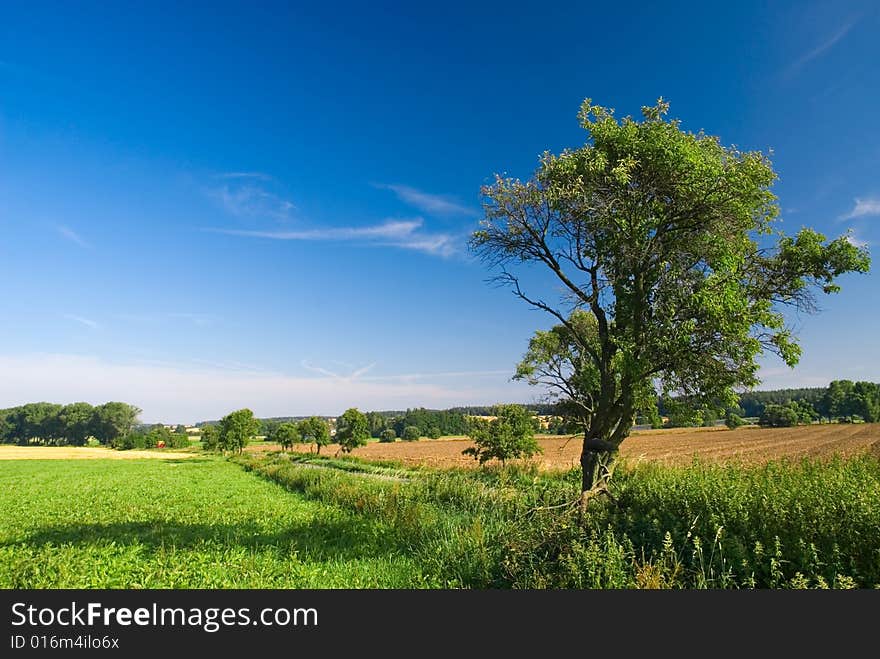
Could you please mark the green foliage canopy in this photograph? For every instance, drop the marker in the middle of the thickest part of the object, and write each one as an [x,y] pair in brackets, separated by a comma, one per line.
[779,416]
[511,434]
[50,423]
[662,242]
[236,429]
[352,430]
[846,399]
[315,430]
[210,437]
[287,434]
[733,420]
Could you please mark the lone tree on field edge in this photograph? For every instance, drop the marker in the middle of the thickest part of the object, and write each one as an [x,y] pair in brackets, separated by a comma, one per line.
[236,429]
[660,239]
[287,434]
[511,434]
[314,430]
[353,430]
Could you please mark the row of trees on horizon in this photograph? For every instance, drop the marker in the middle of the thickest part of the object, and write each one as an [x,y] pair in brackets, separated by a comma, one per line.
[841,400]
[115,423]
[73,424]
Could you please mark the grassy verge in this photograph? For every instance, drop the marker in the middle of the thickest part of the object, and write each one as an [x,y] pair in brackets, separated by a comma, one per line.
[194,523]
[809,524]
[354,465]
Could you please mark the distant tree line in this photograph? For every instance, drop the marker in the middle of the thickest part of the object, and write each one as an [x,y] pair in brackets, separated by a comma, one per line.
[52,424]
[152,436]
[380,425]
[752,403]
[542,409]
[845,399]
[842,400]
[237,428]
[418,422]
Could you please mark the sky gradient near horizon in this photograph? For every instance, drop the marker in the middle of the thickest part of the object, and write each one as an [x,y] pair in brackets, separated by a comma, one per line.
[206,209]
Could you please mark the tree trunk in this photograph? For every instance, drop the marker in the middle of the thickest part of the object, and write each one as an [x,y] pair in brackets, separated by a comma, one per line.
[597,456]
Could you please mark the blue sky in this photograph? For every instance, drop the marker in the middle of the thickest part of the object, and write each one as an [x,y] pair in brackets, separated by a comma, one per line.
[203,209]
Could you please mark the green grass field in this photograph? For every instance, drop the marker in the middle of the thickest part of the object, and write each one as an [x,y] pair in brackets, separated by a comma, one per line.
[808,524]
[282,521]
[197,523]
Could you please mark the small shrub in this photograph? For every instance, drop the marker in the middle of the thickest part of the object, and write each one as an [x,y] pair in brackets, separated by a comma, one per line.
[509,435]
[177,440]
[210,438]
[779,416]
[733,420]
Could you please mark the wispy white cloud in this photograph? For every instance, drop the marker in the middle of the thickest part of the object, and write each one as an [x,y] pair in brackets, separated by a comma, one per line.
[354,375]
[82,320]
[183,394]
[404,377]
[72,236]
[433,204]
[405,234]
[225,365]
[198,319]
[824,46]
[244,198]
[411,377]
[863,208]
[854,240]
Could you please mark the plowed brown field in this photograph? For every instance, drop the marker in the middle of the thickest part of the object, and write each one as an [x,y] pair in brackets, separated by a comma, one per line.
[669,446]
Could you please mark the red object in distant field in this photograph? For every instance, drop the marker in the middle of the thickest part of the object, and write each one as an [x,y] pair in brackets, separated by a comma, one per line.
[160,444]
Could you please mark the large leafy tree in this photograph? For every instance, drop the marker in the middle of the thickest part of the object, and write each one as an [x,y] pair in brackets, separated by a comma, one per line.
[76,422]
[36,422]
[673,277]
[352,430]
[286,434]
[845,398]
[315,430]
[377,423]
[236,429]
[5,426]
[113,420]
[210,436]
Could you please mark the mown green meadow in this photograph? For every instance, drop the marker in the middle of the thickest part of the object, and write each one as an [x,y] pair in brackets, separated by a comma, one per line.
[194,523]
[301,521]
